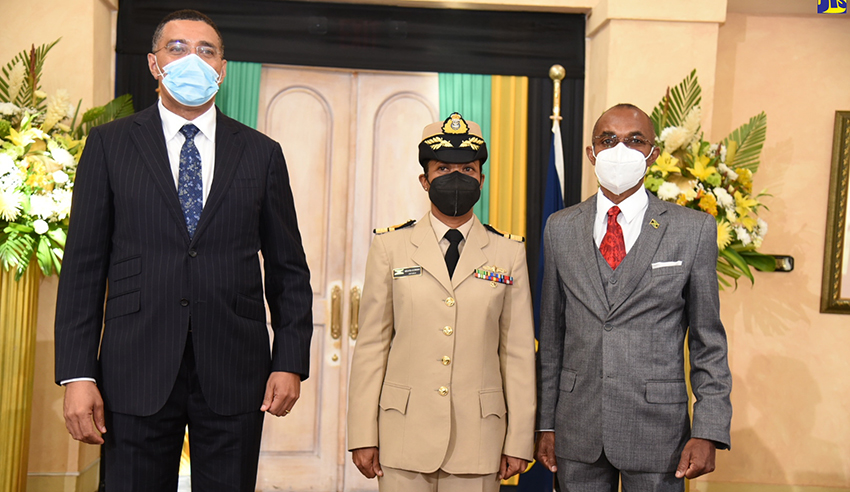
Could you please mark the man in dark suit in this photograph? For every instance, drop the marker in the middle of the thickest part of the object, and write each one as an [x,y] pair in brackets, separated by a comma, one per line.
[171,207]
[626,277]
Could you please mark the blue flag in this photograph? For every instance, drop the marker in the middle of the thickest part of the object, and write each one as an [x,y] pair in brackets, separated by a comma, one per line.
[538,478]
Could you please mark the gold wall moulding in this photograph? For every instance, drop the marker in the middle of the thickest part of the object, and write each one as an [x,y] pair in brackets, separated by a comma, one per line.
[835,293]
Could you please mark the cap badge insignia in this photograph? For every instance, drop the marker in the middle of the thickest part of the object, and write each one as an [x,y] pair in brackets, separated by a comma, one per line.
[455,124]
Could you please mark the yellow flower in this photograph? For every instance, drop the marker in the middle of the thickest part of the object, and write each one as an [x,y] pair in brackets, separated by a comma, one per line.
[665,164]
[724,235]
[743,204]
[745,178]
[686,196]
[701,169]
[708,204]
[748,221]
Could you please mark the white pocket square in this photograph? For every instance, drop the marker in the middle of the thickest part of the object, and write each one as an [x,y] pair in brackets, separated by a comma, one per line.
[665,264]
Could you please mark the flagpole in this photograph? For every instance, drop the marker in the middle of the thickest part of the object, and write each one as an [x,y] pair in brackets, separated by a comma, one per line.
[557,74]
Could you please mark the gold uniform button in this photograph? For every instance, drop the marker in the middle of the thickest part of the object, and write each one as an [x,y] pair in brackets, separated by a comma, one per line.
[443,391]
[450,301]
[446,360]
[447,330]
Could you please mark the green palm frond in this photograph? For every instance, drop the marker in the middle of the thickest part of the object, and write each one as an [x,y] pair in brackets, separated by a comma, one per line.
[678,102]
[16,250]
[748,141]
[119,107]
[33,61]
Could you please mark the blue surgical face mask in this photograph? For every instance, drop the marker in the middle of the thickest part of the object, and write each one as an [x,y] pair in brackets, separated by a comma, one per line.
[190,80]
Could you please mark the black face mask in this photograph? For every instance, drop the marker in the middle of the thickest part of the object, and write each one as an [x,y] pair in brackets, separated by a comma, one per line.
[455,193]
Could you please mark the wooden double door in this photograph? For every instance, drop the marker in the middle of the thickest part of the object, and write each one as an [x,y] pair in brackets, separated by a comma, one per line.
[350,141]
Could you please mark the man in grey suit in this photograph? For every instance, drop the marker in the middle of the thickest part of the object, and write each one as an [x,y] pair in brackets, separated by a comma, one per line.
[627,276]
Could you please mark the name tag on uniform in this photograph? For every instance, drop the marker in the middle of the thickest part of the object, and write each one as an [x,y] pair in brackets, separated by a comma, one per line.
[494,276]
[406,272]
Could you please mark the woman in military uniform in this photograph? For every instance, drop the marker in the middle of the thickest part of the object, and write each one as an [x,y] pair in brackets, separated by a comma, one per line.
[442,392]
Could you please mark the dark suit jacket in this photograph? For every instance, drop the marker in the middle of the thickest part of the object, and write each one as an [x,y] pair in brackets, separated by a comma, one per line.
[127,231]
[612,371]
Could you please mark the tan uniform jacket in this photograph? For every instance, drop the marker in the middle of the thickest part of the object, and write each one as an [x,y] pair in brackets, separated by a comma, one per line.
[443,373]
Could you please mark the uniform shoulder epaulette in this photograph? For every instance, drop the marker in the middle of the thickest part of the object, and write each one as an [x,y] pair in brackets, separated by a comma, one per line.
[384,230]
[507,235]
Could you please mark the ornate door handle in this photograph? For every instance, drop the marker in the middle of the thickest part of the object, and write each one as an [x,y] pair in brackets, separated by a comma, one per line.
[336,312]
[353,322]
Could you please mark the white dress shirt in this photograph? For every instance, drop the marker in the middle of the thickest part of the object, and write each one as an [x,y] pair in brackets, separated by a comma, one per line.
[632,211]
[441,229]
[205,143]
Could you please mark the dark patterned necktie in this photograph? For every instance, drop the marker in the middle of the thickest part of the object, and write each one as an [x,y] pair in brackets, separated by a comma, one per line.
[453,253]
[613,247]
[190,186]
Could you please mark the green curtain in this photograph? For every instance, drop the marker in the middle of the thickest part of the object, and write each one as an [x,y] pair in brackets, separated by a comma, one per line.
[239,96]
[469,95]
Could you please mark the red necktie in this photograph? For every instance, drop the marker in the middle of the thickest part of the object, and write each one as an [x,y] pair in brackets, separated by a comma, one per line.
[613,247]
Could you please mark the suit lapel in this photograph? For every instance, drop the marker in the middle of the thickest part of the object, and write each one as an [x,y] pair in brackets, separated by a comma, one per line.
[428,254]
[587,247]
[644,249]
[228,152]
[149,140]
[473,255]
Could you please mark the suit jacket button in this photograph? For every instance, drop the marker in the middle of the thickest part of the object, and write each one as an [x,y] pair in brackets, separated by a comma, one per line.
[443,391]
[446,360]
[447,331]
[450,301]
[608,327]
[184,302]
[193,253]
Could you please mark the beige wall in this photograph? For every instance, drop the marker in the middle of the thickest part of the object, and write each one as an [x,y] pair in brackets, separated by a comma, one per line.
[791,393]
[791,424]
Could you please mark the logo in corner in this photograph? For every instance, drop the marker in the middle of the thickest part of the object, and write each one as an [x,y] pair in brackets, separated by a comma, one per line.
[832,6]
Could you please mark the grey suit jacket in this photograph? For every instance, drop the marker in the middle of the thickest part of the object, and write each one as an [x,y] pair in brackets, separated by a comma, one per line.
[611,375]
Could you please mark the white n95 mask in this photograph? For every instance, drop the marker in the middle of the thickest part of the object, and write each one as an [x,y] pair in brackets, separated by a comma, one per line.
[620,168]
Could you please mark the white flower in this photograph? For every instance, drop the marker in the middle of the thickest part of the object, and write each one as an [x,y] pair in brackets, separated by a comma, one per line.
[9,109]
[724,199]
[40,226]
[42,206]
[761,226]
[723,150]
[57,109]
[63,157]
[60,177]
[16,80]
[62,199]
[7,164]
[729,173]
[10,204]
[743,235]
[666,133]
[731,214]
[668,191]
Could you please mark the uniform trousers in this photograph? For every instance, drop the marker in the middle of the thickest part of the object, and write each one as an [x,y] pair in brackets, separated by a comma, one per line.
[602,476]
[143,453]
[397,480]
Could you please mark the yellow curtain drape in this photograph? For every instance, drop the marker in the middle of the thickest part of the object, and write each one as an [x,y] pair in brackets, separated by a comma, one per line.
[508,153]
[18,312]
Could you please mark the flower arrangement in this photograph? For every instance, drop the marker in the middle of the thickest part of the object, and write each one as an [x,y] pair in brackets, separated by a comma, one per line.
[715,178]
[41,141]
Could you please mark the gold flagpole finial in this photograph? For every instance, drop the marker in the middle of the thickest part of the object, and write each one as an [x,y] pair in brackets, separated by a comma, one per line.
[557,74]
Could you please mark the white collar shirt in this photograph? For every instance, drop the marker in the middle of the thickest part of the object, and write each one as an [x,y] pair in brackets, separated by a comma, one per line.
[632,211]
[440,230]
[204,142]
